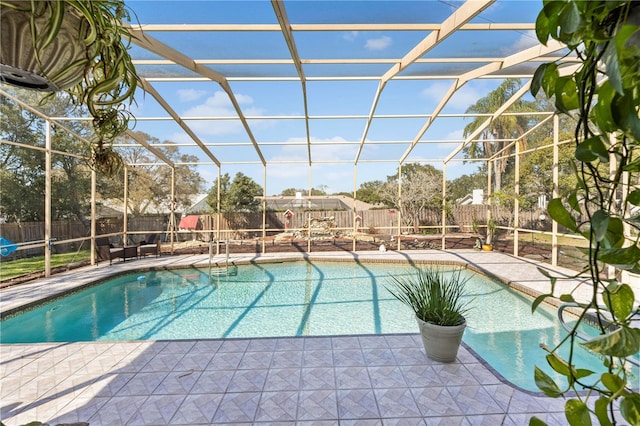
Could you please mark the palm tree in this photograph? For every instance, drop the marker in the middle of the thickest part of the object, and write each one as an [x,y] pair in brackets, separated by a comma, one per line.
[501,129]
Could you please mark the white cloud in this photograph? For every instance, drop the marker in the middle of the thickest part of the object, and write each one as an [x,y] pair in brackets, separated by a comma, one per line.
[455,135]
[298,152]
[219,105]
[351,35]
[526,40]
[460,101]
[378,43]
[188,95]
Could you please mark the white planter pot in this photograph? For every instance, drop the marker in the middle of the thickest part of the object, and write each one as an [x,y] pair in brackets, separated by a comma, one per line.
[440,342]
[18,63]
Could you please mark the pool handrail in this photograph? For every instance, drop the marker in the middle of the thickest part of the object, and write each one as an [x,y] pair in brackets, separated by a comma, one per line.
[219,270]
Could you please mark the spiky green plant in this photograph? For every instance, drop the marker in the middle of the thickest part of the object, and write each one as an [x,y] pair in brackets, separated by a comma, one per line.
[435,295]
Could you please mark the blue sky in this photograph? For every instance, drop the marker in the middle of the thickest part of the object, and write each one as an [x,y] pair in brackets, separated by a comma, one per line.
[333,141]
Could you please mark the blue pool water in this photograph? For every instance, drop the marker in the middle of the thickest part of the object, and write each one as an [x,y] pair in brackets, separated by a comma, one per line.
[286,299]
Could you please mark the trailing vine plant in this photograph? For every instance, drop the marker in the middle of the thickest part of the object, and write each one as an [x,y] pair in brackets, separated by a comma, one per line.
[602,91]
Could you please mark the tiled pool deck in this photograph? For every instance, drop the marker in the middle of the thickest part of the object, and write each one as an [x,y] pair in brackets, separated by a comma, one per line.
[343,380]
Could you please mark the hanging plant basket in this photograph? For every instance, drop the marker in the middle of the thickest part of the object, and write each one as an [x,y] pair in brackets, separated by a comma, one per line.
[80,47]
[39,64]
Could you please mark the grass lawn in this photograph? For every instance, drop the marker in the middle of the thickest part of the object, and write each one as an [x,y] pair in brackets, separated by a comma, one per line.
[14,268]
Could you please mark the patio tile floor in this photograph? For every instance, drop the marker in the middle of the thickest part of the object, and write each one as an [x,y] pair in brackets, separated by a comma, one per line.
[339,380]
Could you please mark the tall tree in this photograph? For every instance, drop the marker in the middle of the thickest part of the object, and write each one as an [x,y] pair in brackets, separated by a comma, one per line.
[536,173]
[369,192]
[496,135]
[238,195]
[71,181]
[242,195]
[421,189]
[23,174]
[150,179]
[212,196]
[464,185]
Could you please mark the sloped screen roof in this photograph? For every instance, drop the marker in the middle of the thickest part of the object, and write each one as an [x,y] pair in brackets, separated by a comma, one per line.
[329,93]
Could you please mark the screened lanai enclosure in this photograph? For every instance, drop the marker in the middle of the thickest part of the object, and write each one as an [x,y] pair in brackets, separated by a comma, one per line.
[315,102]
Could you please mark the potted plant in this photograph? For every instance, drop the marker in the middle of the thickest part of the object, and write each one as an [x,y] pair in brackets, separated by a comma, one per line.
[437,298]
[486,244]
[491,232]
[80,47]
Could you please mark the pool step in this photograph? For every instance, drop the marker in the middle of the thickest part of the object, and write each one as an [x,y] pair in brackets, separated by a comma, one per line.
[226,270]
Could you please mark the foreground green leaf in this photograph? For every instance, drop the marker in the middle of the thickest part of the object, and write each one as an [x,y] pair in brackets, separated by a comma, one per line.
[535,421]
[546,384]
[560,214]
[620,302]
[621,256]
[630,408]
[538,300]
[577,413]
[570,19]
[558,364]
[623,342]
[610,59]
[600,224]
[612,382]
[602,411]
[634,197]
[591,150]
[615,233]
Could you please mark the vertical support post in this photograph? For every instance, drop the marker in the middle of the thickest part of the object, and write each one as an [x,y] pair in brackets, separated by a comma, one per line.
[309,183]
[218,211]
[399,212]
[489,213]
[309,232]
[125,223]
[47,200]
[516,203]
[172,219]
[355,214]
[264,209]
[556,188]
[94,213]
[444,206]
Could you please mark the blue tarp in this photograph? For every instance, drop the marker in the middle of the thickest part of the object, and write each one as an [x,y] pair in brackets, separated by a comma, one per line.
[7,247]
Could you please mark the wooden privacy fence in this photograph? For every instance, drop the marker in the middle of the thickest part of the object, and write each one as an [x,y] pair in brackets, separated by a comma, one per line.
[459,219]
[27,233]
[249,225]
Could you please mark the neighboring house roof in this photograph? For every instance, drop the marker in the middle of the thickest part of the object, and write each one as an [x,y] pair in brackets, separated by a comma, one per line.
[200,205]
[106,211]
[466,200]
[476,197]
[315,202]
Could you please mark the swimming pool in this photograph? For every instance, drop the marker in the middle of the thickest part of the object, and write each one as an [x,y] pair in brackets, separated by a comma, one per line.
[286,299]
